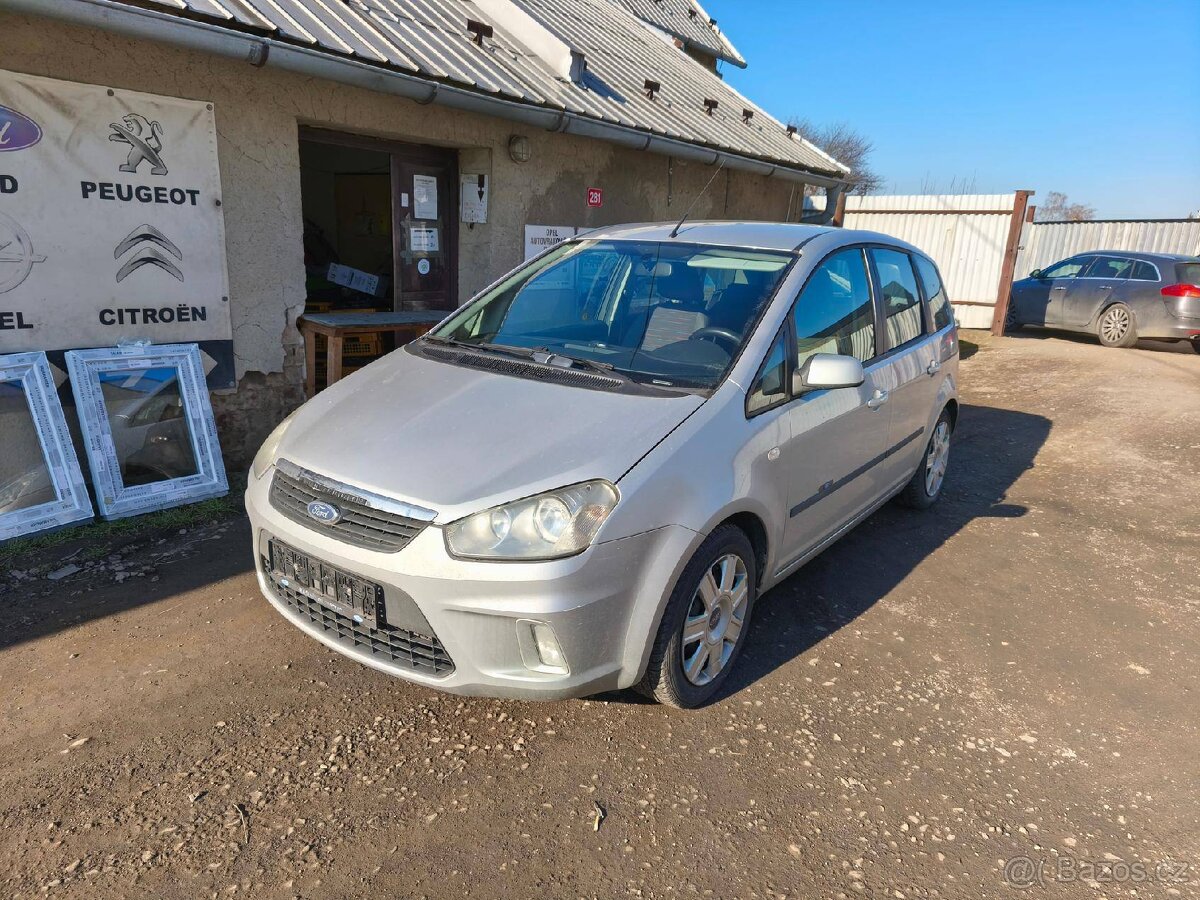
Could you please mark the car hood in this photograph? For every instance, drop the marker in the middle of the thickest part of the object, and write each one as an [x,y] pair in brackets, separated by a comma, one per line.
[458,440]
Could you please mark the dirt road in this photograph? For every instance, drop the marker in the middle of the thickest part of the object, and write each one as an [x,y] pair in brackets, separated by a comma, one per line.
[1013,675]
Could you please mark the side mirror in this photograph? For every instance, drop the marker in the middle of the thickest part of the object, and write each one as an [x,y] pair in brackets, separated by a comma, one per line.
[828,371]
[1036,273]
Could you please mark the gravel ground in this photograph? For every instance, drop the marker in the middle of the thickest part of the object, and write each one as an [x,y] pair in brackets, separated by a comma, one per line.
[1012,675]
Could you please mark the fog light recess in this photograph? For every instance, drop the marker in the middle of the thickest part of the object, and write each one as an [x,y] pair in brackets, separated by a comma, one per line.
[540,649]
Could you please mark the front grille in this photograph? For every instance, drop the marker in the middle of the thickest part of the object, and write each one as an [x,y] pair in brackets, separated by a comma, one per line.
[421,653]
[360,524]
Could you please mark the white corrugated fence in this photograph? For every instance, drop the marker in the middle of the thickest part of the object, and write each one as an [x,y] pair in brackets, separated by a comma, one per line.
[965,234]
[1043,243]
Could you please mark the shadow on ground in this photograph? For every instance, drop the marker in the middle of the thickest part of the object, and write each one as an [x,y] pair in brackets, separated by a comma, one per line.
[992,448]
[167,564]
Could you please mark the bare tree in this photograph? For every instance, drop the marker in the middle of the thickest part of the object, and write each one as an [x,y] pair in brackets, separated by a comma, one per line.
[1057,208]
[849,147]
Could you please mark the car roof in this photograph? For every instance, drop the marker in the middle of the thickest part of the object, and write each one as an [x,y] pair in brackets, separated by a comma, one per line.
[788,236]
[1138,254]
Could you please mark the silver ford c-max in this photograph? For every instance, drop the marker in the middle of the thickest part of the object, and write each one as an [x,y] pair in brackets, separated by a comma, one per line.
[582,479]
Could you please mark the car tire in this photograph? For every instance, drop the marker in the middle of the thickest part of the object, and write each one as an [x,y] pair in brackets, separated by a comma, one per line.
[924,488]
[1010,319]
[666,679]
[1195,342]
[1116,326]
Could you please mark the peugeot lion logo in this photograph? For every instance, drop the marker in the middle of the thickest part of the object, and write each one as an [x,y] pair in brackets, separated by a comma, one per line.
[145,143]
[325,513]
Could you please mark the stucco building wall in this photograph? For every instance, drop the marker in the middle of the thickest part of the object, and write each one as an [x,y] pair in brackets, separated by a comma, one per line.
[258,114]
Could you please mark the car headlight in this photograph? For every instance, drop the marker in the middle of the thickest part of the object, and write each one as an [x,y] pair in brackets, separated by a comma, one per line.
[266,453]
[546,526]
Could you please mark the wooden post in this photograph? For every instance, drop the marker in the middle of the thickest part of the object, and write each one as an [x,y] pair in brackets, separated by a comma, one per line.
[1009,266]
[839,211]
[310,360]
[333,358]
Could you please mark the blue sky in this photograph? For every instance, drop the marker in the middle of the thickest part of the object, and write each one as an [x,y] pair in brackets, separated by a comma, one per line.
[1100,100]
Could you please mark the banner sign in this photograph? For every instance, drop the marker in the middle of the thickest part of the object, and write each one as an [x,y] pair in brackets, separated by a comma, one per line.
[111,227]
[543,237]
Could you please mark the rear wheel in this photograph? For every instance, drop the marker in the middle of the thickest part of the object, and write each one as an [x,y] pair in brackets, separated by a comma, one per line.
[1116,327]
[923,490]
[1196,344]
[704,625]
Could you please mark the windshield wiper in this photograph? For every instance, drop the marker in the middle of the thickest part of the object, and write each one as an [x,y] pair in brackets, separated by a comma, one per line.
[547,356]
[484,346]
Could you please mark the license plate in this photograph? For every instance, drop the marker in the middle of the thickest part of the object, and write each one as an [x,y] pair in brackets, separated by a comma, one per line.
[353,597]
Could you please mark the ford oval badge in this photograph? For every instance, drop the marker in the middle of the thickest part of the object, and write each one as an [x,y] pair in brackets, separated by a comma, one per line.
[17,130]
[325,513]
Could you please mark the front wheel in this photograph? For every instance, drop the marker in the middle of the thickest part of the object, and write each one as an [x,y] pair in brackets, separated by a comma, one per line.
[704,625]
[924,488]
[1116,327]
[1011,323]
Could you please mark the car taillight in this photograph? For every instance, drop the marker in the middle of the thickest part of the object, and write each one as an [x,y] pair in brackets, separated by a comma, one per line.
[1181,290]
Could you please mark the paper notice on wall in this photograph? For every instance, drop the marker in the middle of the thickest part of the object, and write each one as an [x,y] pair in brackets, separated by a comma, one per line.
[355,279]
[111,224]
[473,194]
[423,240]
[425,196]
[539,237]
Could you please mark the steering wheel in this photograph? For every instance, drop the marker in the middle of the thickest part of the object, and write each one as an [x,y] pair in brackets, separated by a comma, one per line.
[724,334]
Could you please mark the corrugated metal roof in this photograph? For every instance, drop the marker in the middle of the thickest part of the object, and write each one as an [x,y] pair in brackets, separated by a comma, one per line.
[686,20]
[429,39]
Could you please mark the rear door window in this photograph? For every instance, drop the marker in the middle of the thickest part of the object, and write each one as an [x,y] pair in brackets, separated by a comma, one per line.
[939,303]
[1109,267]
[1143,271]
[901,299]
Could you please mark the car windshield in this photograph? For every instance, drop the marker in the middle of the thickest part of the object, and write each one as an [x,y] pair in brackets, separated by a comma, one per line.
[660,313]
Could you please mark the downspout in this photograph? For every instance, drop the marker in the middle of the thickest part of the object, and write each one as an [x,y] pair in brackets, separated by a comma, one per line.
[161,27]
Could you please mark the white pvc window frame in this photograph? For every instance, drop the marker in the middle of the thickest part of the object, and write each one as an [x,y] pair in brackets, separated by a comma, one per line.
[114,498]
[32,372]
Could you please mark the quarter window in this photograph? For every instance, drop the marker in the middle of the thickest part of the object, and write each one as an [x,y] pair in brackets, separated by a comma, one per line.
[901,300]
[834,314]
[770,387]
[939,303]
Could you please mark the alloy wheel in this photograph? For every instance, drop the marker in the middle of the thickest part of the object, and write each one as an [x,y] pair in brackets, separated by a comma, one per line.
[937,459]
[1115,324]
[714,619]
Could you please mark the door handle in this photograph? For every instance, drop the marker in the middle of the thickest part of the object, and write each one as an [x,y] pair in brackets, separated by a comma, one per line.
[934,367]
[877,399]
[1062,288]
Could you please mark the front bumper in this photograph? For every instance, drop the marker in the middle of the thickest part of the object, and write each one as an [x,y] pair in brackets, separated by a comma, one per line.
[474,608]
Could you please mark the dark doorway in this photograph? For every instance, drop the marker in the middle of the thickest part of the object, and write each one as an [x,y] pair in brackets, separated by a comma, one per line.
[384,215]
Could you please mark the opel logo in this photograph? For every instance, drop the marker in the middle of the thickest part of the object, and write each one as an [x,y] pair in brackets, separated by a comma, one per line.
[325,513]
